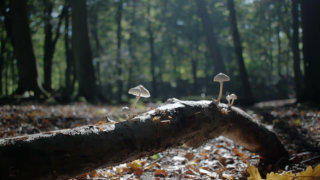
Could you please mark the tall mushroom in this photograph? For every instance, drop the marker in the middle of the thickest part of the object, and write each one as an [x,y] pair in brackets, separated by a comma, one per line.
[139,92]
[220,78]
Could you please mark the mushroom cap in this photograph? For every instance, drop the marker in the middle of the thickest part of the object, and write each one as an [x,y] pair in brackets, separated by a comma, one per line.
[139,91]
[221,78]
[228,98]
[125,109]
[232,96]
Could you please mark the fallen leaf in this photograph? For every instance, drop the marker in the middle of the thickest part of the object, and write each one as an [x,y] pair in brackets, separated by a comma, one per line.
[134,165]
[161,172]
[227,176]
[190,172]
[93,174]
[165,122]
[189,156]
[254,173]
[138,171]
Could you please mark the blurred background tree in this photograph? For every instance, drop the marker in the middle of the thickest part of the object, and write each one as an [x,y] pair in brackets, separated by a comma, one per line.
[98,49]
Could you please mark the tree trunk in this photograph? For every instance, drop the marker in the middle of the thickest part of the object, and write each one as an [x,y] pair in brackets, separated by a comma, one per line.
[2,51]
[94,28]
[82,51]
[311,45]
[48,46]
[194,68]
[153,57]
[279,50]
[18,28]
[131,46]
[66,153]
[295,49]
[118,59]
[49,42]
[70,69]
[212,43]
[247,93]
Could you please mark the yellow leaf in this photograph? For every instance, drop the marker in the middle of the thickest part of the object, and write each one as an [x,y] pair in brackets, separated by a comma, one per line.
[134,165]
[284,176]
[227,176]
[254,173]
[309,173]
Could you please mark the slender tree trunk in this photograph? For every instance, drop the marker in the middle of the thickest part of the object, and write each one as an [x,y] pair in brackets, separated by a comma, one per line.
[13,75]
[247,93]
[279,51]
[311,45]
[194,66]
[48,46]
[23,48]
[132,49]
[118,59]
[212,43]
[70,70]
[2,52]
[6,81]
[50,42]
[295,50]
[82,51]
[153,57]
[97,46]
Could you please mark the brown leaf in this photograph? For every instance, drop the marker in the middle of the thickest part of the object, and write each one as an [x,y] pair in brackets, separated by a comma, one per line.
[189,156]
[161,172]
[93,174]
[138,171]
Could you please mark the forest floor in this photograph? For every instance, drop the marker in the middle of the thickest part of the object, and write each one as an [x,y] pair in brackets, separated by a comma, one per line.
[297,126]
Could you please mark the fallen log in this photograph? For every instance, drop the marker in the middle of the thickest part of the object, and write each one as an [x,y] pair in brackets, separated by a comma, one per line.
[70,152]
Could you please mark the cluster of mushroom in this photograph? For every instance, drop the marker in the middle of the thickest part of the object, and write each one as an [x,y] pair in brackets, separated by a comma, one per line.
[221,78]
[140,91]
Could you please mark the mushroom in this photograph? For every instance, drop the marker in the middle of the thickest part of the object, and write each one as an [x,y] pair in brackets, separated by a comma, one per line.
[220,78]
[125,109]
[138,91]
[231,98]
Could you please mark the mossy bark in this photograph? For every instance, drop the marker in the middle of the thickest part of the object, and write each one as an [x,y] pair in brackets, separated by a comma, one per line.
[66,153]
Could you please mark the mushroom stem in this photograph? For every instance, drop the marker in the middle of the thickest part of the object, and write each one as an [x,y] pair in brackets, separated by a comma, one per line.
[134,104]
[220,93]
[229,103]
[232,101]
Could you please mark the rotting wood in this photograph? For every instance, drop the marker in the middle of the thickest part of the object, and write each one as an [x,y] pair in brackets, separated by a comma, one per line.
[70,152]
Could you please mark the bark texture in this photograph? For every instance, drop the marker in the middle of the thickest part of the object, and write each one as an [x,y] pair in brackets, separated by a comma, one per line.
[66,153]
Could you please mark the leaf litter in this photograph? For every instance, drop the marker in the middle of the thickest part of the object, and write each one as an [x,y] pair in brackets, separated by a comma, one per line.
[219,158]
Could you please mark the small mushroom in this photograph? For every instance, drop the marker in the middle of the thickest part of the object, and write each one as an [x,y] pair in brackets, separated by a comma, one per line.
[138,91]
[231,98]
[220,78]
[125,109]
[228,98]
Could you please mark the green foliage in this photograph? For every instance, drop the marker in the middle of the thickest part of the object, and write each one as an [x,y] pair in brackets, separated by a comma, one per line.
[179,41]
